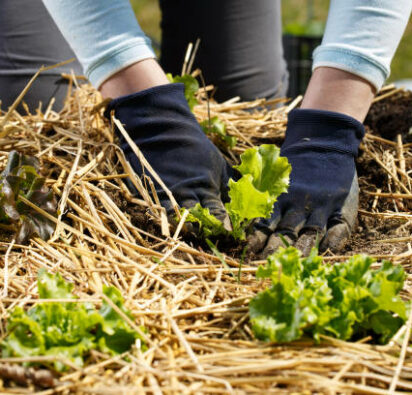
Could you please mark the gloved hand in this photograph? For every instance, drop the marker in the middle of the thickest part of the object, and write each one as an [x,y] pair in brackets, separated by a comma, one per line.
[322,200]
[161,124]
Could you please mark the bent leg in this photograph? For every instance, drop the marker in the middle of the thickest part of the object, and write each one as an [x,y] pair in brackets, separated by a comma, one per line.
[29,39]
[241,44]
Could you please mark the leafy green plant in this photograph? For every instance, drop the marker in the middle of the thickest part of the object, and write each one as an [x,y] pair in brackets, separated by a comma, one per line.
[19,179]
[265,175]
[67,330]
[345,300]
[217,128]
[191,87]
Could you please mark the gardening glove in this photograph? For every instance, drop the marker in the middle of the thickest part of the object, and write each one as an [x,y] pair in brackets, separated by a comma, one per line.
[322,201]
[161,124]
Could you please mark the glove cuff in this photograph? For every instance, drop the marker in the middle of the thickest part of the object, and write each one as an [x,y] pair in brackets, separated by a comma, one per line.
[323,130]
[144,103]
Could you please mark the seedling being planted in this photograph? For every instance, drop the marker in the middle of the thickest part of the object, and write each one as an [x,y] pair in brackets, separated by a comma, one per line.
[217,128]
[20,179]
[264,176]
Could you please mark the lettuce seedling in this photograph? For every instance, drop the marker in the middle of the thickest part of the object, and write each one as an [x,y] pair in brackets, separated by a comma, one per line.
[265,175]
[346,300]
[67,330]
[214,126]
[19,179]
[191,87]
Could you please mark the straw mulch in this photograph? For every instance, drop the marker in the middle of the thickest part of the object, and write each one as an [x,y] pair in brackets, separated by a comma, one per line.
[195,310]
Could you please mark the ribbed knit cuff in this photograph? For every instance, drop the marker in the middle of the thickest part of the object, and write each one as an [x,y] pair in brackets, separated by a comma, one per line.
[326,130]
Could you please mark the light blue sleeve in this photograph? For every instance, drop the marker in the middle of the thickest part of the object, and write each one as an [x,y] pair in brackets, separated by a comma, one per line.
[104,35]
[362,36]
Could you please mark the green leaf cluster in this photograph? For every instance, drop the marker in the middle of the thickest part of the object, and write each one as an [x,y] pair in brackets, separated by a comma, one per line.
[67,330]
[191,87]
[345,300]
[216,127]
[265,175]
[19,179]
[208,223]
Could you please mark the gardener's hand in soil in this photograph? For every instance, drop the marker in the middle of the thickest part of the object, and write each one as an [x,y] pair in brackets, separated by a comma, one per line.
[321,145]
[161,124]
[323,194]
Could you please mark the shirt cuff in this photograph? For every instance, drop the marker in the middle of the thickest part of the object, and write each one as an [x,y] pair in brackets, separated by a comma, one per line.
[351,61]
[119,59]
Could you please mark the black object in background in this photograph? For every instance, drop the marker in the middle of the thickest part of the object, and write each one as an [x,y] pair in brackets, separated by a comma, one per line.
[240,52]
[298,54]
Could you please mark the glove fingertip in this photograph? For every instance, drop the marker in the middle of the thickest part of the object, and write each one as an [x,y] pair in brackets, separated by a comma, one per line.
[336,237]
[256,241]
[274,243]
[217,209]
[307,241]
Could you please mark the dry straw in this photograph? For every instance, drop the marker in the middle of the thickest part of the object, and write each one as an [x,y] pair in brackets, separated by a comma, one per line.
[199,338]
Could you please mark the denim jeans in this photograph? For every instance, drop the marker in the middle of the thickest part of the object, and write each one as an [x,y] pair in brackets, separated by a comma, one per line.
[29,39]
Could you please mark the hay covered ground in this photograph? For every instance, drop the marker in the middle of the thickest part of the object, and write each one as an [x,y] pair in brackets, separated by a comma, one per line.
[194,308]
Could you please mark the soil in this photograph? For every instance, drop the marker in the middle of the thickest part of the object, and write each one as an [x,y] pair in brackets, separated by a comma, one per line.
[392,116]
[139,216]
[386,118]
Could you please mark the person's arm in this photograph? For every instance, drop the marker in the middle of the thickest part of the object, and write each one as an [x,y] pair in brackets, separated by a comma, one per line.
[115,54]
[323,136]
[117,59]
[354,59]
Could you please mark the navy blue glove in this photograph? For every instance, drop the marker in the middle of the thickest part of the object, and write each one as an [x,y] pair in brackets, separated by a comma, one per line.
[161,124]
[322,201]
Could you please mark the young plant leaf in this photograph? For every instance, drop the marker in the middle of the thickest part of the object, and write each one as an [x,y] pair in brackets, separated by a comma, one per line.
[347,300]
[265,175]
[67,330]
[246,203]
[208,223]
[53,286]
[115,336]
[191,87]
[19,179]
[216,127]
[270,172]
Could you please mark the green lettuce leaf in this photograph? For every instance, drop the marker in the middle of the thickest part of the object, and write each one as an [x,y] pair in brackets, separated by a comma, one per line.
[208,223]
[247,201]
[270,172]
[265,175]
[347,300]
[53,286]
[67,330]
[25,337]
[216,127]
[115,336]
[191,87]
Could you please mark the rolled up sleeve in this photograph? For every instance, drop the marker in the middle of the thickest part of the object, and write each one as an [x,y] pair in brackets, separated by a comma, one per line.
[104,35]
[361,37]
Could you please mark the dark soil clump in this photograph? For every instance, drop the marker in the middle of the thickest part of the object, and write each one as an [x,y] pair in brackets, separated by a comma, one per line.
[392,116]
